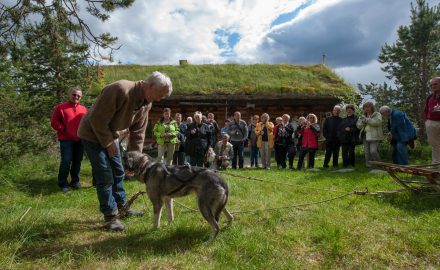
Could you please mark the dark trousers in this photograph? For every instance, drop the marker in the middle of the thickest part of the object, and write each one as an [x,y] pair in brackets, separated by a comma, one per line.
[280,155]
[311,160]
[348,154]
[71,157]
[331,149]
[179,158]
[238,151]
[255,152]
[291,152]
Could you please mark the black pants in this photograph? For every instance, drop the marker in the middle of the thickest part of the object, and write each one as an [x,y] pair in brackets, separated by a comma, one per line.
[238,151]
[311,160]
[348,154]
[331,149]
[281,155]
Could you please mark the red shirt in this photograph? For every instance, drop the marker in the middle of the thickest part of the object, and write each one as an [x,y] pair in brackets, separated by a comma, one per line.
[429,113]
[65,120]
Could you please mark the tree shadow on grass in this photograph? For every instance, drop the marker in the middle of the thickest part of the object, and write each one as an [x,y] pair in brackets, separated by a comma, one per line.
[413,203]
[109,245]
[36,186]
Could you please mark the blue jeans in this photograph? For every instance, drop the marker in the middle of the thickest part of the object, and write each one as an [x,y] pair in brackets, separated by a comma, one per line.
[400,153]
[109,175]
[71,157]
[255,152]
[238,151]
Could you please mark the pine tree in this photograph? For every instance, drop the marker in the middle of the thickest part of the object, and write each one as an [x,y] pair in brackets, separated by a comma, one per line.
[414,59]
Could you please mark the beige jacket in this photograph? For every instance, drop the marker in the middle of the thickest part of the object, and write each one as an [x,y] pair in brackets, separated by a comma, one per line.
[119,106]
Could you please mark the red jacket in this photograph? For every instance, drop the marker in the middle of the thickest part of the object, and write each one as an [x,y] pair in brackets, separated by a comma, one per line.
[65,120]
[429,113]
[310,137]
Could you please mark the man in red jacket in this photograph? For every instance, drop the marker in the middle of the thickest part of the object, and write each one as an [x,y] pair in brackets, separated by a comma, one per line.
[65,120]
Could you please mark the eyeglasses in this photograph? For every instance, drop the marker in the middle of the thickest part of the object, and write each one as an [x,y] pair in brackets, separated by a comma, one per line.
[75,95]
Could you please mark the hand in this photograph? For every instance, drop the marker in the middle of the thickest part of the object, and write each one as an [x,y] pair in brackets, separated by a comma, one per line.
[193,131]
[347,129]
[112,150]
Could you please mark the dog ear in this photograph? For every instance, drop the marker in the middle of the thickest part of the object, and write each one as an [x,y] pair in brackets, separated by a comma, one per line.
[130,162]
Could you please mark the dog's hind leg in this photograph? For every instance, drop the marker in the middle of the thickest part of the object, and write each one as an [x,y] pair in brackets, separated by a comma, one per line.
[169,205]
[207,213]
[228,215]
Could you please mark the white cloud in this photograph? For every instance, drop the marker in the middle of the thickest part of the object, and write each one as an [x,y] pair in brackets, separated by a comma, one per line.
[350,32]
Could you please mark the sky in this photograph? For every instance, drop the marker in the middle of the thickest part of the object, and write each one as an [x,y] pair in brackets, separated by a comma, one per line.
[350,33]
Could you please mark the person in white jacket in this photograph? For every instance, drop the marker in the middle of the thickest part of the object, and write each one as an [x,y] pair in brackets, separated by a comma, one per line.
[370,125]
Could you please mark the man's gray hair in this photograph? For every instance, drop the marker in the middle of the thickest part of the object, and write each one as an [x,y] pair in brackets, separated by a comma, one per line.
[160,80]
[384,109]
[337,107]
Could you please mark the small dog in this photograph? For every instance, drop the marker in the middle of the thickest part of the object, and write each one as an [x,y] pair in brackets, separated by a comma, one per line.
[166,182]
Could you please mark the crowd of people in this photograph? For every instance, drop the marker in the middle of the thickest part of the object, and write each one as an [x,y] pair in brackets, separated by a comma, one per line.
[200,141]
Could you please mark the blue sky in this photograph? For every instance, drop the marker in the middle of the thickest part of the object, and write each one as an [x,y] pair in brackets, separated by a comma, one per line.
[349,32]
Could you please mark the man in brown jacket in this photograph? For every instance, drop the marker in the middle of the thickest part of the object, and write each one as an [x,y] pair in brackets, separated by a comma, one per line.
[120,105]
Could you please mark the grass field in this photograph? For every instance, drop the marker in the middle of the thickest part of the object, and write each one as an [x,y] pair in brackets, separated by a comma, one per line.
[400,231]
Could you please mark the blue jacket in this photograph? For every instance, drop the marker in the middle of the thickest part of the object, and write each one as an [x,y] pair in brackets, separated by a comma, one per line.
[401,128]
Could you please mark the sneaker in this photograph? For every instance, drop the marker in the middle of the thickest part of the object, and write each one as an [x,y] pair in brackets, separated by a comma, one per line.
[65,190]
[77,185]
[113,224]
[131,213]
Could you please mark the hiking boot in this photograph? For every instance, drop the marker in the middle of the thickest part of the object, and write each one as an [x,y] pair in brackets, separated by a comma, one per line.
[65,190]
[131,213]
[113,223]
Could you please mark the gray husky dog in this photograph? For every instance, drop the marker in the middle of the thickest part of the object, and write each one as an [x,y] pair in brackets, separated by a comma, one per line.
[166,182]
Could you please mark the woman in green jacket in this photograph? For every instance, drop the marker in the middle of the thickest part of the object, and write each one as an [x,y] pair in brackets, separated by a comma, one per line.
[370,124]
[165,131]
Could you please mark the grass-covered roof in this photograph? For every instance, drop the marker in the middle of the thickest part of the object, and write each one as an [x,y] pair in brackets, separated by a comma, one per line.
[233,79]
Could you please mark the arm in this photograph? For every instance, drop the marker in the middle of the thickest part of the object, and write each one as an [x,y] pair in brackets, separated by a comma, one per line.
[57,119]
[375,121]
[137,129]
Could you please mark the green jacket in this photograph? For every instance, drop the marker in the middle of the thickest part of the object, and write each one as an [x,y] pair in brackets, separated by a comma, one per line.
[159,129]
[372,126]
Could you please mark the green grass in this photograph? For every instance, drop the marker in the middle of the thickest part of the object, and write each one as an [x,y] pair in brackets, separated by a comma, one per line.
[399,231]
[236,79]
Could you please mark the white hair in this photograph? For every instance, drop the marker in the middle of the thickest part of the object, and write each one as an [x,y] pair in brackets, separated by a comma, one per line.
[384,109]
[337,107]
[160,80]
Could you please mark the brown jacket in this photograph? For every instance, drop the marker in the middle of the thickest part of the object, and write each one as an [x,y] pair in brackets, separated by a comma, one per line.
[119,106]
[259,131]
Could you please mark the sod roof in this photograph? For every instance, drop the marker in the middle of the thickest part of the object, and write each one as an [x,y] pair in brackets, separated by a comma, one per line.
[235,79]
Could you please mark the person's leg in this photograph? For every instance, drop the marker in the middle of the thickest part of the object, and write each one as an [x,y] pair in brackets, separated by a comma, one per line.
[160,152]
[263,151]
[192,160]
[103,173]
[291,154]
[234,158]
[170,153]
[328,153]
[345,148]
[336,147]
[302,154]
[401,153]
[240,155]
[367,152]
[433,133]
[66,151]
[374,153]
[351,154]
[311,158]
[283,156]
[78,153]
